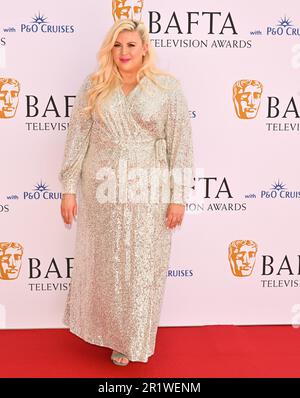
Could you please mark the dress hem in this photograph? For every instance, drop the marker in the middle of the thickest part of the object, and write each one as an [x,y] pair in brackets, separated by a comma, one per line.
[106,345]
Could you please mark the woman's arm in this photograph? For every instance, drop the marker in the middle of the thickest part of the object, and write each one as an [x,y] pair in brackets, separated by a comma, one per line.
[76,145]
[180,155]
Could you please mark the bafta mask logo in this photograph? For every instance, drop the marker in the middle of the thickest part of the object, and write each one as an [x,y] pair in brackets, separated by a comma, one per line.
[10,260]
[9,97]
[242,256]
[123,9]
[246,98]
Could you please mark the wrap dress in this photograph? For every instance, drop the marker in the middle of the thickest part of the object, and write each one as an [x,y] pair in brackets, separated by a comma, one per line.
[122,247]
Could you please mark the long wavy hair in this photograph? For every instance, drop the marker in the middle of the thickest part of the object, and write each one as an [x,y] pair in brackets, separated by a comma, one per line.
[107,77]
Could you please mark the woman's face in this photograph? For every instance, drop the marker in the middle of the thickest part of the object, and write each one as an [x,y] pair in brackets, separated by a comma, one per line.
[128,46]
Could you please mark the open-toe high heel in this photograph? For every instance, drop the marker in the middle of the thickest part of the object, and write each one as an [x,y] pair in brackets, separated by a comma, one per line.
[115,355]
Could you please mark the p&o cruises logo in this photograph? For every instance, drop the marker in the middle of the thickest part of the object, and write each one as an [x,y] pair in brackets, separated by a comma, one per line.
[284,27]
[279,190]
[40,23]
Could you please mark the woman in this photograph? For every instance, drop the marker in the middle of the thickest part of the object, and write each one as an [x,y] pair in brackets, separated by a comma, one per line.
[129,115]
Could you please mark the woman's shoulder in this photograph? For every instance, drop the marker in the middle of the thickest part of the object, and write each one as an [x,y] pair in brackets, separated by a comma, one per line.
[168,83]
[169,79]
[85,82]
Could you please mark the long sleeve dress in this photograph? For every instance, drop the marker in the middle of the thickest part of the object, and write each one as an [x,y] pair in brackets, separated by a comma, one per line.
[122,248]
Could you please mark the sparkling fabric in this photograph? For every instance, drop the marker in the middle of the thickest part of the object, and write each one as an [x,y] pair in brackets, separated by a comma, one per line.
[122,250]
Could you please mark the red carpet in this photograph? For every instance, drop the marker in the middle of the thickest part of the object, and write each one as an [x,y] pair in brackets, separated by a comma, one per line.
[206,351]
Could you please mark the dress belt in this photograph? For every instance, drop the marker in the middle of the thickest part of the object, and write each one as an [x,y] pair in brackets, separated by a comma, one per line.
[160,147]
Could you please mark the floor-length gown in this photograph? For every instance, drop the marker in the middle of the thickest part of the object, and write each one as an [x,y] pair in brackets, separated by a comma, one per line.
[122,248]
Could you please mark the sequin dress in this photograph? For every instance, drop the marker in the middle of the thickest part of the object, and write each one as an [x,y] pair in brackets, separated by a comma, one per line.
[122,250]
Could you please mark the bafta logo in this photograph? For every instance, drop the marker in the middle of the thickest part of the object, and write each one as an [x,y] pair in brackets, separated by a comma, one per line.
[242,256]
[9,97]
[246,98]
[10,260]
[123,9]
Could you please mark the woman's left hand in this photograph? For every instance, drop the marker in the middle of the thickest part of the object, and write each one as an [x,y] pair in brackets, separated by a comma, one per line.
[174,216]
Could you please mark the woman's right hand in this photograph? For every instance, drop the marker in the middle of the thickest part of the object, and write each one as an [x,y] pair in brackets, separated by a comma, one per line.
[68,207]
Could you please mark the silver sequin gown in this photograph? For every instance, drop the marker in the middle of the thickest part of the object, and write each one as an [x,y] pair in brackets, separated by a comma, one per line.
[122,249]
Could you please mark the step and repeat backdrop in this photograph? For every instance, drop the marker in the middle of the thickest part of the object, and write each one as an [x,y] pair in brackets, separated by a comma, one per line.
[236,258]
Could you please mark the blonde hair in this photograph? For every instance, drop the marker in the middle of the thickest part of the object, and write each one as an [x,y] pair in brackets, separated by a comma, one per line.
[107,77]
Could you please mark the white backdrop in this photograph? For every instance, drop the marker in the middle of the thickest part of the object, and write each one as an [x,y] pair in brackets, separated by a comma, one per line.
[248,163]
